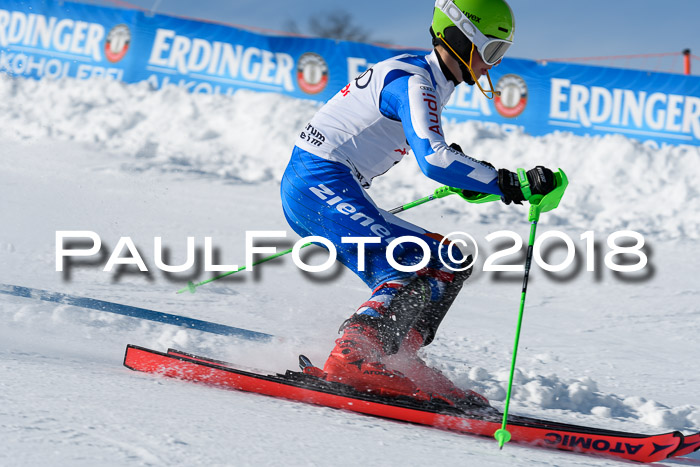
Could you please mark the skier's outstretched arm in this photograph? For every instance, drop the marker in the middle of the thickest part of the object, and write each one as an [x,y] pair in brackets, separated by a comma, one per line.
[413,101]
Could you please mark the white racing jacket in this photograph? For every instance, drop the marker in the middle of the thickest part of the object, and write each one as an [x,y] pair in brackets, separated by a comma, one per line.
[393,106]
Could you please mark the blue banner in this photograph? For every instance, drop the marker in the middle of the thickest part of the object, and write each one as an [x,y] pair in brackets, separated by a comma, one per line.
[51,39]
[586,100]
[55,40]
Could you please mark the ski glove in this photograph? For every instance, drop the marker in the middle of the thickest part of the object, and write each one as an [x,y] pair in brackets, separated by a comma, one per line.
[541,182]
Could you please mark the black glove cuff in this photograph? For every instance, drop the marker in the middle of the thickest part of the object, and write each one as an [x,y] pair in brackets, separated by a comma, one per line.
[510,187]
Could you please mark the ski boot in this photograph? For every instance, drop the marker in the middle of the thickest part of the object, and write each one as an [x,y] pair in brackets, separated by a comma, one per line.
[356,362]
[430,380]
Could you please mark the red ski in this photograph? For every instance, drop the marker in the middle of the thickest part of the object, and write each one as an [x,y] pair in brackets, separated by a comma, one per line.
[483,421]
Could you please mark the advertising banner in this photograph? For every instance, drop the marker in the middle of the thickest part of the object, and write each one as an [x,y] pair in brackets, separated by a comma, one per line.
[542,98]
[208,58]
[40,39]
[50,39]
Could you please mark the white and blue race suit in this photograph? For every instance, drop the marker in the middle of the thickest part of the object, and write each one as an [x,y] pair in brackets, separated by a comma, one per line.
[366,128]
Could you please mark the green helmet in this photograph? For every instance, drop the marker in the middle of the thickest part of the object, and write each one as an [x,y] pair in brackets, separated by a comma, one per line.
[488,24]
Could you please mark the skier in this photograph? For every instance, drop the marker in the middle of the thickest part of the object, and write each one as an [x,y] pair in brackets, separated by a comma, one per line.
[360,134]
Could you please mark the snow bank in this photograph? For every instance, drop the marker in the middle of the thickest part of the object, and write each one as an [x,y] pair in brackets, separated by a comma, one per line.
[581,395]
[616,183]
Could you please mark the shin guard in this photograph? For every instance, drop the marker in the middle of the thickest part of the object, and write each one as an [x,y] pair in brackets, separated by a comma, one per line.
[393,309]
[432,315]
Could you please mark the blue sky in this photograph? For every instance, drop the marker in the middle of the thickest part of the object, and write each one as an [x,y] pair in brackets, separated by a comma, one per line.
[544,28]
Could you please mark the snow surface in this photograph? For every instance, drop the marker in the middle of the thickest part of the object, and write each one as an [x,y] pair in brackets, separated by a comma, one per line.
[597,348]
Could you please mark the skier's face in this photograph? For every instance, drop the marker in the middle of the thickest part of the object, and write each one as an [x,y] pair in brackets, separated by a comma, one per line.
[479,67]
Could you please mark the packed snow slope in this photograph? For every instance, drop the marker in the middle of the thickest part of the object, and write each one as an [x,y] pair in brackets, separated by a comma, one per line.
[615,350]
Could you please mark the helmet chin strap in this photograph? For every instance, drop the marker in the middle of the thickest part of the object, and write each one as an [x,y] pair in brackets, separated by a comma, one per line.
[489,94]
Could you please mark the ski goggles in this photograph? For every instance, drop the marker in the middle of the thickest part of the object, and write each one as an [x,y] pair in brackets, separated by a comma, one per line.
[491,49]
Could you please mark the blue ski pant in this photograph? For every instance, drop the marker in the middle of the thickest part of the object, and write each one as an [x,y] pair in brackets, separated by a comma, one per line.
[323,198]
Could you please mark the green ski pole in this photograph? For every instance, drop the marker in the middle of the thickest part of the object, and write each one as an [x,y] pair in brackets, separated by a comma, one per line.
[437,194]
[446,191]
[538,204]
[192,287]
